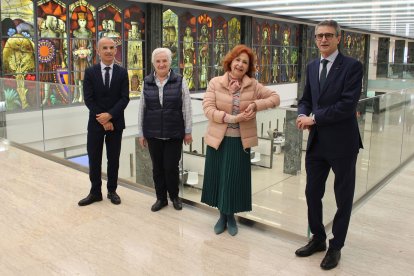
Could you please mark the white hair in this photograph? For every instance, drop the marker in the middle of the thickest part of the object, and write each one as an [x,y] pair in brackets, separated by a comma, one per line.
[162,51]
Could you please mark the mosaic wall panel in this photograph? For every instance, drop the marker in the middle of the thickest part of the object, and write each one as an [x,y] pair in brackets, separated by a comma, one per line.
[199,41]
[18,52]
[276,45]
[353,44]
[53,41]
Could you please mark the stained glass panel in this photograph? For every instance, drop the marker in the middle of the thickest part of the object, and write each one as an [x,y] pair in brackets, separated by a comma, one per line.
[204,42]
[82,29]
[170,35]
[234,32]
[134,26]
[187,62]
[220,44]
[110,25]
[18,47]
[51,48]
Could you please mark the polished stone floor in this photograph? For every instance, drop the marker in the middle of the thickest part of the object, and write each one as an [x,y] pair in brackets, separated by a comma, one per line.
[45,232]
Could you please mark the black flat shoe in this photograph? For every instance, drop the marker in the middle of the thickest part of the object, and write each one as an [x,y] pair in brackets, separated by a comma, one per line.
[91,198]
[114,197]
[177,203]
[158,205]
[331,259]
[312,247]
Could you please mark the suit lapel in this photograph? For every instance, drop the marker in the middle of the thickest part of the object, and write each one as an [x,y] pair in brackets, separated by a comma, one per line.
[315,75]
[98,74]
[333,72]
[114,74]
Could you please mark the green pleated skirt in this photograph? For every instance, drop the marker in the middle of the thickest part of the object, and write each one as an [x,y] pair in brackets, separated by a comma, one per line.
[227,177]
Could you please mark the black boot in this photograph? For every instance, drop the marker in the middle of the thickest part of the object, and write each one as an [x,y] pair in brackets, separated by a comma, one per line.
[221,224]
[231,225]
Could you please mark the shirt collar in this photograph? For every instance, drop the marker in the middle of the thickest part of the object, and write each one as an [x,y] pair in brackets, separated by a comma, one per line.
[168,75]
[104,65]
[332,57]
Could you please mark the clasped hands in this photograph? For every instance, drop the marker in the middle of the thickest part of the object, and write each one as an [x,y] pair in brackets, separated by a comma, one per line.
[104,120]
[248,114]
[304,122]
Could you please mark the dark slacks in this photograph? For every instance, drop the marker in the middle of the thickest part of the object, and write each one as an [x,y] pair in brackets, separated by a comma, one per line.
[94,146]
[317,170]
[165,156]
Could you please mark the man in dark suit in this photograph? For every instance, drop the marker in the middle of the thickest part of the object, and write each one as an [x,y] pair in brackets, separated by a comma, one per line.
[106,92]
[328,110]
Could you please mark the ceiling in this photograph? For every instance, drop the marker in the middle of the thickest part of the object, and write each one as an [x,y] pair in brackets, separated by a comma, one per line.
[391,17]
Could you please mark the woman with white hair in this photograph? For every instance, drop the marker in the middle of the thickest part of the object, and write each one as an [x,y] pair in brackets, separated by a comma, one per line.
[164,122]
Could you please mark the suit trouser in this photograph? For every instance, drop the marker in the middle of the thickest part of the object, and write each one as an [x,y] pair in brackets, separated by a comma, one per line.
[94,146]
[165,156]
[317,170]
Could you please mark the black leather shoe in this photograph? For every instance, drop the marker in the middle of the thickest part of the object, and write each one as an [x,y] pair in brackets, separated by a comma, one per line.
[91,198]
[312,247]
[158,205]
[114,197]
[331,259]
[177,203]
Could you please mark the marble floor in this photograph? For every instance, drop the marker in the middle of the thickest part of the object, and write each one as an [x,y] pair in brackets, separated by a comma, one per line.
[45,232]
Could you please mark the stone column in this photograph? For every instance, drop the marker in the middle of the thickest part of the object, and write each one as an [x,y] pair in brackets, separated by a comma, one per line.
[143,170]
[293,144]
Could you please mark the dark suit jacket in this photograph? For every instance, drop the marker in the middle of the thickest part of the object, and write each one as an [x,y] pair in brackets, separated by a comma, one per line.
[334,106]
[98,99]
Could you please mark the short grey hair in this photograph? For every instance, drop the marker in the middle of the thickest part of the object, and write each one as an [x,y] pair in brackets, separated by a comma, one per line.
[330,23]
[162,51]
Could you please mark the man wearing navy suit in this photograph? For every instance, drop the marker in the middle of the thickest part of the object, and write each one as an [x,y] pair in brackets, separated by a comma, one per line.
[328,110]
[106,92]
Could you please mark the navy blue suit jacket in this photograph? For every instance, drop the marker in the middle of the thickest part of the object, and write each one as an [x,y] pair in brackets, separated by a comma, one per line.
[334,106]
[99,99]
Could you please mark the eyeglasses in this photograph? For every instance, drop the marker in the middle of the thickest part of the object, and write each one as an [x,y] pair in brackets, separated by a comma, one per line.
[328,36]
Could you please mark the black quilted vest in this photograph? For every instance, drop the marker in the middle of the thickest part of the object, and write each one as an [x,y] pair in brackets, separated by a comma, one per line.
[164,121]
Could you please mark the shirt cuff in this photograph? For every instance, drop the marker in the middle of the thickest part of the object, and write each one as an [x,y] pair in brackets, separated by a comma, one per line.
[313,118]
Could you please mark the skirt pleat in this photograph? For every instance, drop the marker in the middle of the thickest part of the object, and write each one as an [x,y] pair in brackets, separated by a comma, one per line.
[227,177]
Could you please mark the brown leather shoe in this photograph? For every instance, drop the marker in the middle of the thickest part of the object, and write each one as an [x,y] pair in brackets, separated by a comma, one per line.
[91,198]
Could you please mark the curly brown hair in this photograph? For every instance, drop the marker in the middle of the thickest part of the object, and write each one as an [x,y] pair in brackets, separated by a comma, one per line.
[235,52]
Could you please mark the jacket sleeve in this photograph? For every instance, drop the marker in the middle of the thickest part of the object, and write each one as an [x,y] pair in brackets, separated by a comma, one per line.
[210,106]
[266,98]
[121,104]
[89,95]
[305,103]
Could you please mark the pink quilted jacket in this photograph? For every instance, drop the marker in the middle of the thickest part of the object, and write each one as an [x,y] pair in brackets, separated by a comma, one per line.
[218,100]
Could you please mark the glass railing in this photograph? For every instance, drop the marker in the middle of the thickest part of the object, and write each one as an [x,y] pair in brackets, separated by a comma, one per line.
[395,70]
[278,175]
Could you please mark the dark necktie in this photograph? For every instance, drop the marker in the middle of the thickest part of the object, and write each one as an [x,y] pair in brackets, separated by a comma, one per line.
[322,78]
[107,77]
